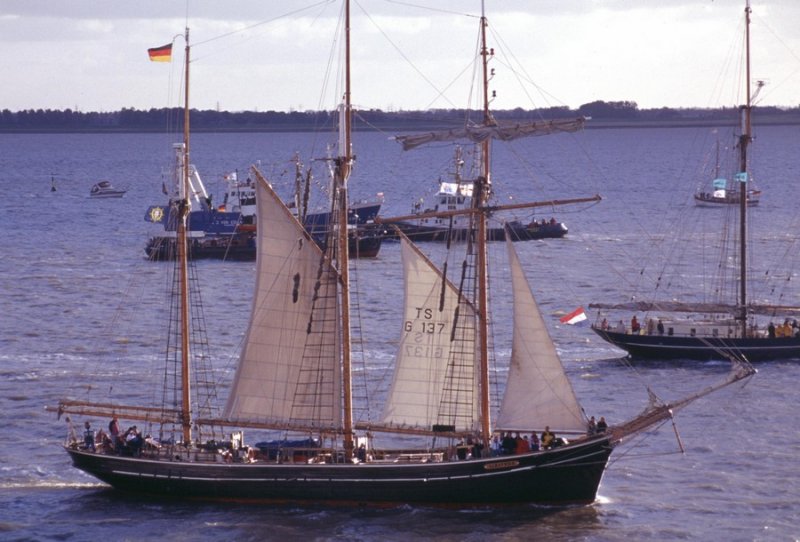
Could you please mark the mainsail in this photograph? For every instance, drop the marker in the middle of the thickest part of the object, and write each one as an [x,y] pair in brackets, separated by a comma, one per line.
[503,132]
[289,373]
[538,392]
[436,378]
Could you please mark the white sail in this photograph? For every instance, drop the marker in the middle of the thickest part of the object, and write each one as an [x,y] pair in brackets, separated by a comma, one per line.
[431,357]
[538,392]
[289,373]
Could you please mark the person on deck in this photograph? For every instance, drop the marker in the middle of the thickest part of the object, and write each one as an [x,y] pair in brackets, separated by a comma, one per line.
[509,445]
[494,446]
[635,327]
[523,446]
[547,438]
[113,431]
[476,447]
[602,426]
[461,450]
[88,437]
[134,441]
[72,437]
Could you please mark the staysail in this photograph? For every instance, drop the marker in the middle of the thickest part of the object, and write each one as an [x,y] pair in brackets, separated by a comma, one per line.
[538,392]
[289,374]
[435,379]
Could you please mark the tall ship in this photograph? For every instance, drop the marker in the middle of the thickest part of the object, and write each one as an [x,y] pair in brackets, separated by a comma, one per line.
[430,442]
[730,326]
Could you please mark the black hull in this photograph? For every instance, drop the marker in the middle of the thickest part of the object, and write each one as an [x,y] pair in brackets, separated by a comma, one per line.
[237,247]
[365,247]
[703,349]
[567,475]
[363,242]
[519,232]
[242,247]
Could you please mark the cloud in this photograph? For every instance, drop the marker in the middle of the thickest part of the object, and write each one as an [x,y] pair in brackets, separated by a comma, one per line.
[251,54]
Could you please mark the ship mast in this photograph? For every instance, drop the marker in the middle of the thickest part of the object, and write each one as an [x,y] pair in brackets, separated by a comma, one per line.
[342,173]
[183,265]
[744,140]
[482,188]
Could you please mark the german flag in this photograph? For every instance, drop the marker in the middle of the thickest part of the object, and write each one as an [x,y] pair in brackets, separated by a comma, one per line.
[161,54]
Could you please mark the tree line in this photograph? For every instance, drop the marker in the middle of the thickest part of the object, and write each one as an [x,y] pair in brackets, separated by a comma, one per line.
[602,113]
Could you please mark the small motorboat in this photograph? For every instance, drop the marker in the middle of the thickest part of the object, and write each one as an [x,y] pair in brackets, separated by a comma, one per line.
[104,189]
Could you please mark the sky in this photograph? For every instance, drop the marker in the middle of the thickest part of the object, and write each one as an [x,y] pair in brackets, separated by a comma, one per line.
[260,55]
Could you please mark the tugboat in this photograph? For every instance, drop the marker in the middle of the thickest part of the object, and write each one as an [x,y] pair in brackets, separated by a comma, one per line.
[364,234]
[228,231]
[445,220]
[211,232]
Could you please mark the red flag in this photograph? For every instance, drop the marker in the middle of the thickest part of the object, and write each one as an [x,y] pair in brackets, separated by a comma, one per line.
[161,54]
[578,315]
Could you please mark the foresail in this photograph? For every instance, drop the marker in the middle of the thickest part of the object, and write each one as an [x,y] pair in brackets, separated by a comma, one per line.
[289,374]
[435,377]
[538,392]
[504,132]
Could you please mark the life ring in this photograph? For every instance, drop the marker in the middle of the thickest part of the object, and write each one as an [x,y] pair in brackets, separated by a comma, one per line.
[156,214]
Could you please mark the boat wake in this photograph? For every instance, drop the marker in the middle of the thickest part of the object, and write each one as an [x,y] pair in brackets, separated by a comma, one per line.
[36,484]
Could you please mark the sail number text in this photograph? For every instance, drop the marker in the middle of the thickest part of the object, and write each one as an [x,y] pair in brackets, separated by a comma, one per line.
[425,325]
[424,334]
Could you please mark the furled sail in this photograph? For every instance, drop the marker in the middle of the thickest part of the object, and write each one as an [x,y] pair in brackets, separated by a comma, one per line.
[289,374]
[435,377]
[538,392]
[707,308]
[668,306]
[504,132]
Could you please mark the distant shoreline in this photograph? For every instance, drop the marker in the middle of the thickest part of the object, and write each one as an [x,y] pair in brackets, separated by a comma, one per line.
[601,115]
[400,127]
